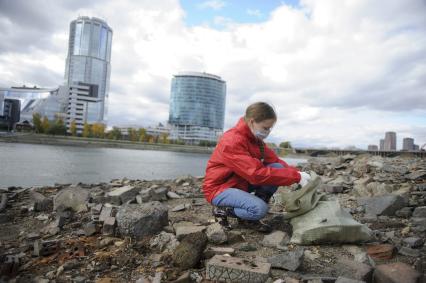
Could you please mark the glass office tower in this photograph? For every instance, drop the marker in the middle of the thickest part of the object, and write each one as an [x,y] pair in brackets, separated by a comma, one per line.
[88,60]
[197,107]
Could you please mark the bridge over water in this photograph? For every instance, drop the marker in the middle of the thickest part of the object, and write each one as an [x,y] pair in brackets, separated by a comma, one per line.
[319,152]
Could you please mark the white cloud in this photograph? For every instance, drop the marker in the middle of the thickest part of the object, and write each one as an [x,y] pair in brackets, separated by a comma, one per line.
[338,72]
[212,4]
[254,12]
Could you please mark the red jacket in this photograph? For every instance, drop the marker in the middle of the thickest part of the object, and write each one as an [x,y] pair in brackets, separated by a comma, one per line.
[235,163]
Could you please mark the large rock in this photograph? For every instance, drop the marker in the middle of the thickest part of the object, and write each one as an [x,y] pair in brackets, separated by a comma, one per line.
[188,253]
[138,221]
[396,273]
[420,212]
[383,205]
[328,223]
[165,242]
[290,260]
[41,203]
[122,195]
[355,270]
[275,239]
[417,175]
[216,234]
[71,198]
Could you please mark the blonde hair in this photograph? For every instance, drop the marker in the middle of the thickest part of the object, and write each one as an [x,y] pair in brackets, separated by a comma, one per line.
[260,111]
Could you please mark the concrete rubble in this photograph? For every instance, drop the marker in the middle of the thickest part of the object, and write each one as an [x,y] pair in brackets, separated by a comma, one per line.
[163,230]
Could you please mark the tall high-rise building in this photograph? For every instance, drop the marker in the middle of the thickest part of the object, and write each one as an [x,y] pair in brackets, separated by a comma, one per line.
[197,107]
[88,62]
[390,141]
[382,144]
[408,144]
[373,147]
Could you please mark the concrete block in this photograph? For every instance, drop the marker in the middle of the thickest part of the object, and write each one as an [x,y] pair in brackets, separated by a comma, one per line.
[105,213]
[233,269]
[122,195]
[45,248]
[159,194]
[183,231]
[109,226]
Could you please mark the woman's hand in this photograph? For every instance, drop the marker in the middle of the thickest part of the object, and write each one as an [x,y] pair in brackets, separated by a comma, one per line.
[304,178]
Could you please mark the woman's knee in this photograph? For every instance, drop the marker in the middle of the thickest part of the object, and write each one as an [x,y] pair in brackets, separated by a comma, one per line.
[258,210]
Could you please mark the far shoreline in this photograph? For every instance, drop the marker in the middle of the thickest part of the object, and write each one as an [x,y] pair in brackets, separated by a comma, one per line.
[43,139]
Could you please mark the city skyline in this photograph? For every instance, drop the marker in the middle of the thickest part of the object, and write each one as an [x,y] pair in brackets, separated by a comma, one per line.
[333,81]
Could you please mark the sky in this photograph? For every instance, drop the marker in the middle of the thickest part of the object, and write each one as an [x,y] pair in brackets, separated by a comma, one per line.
[338,72]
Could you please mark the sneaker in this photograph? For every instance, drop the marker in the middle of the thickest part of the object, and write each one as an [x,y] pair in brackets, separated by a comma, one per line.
[256,225]
[221,215]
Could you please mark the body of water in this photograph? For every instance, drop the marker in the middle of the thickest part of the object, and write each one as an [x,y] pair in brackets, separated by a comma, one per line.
[42,165]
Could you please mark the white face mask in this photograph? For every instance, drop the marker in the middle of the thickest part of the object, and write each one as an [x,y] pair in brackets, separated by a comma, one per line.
[261,134]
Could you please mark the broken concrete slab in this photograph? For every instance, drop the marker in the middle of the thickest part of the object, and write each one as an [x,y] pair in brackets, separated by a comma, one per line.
[41,203]
[158,194]
[233,269]
[420,212]
[105,213]
[137,221]
[417,175]
[354,270]
[45,248]
[290,260]
[181,207]
[396,273]
[409,252]
[74,198]
[383,205]
[173,195]
[122,195]
[108,228]
[182,229]
[90,229]
[275,239]
[413,242]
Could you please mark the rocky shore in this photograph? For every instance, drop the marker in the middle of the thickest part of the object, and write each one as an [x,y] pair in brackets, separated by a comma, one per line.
[163,231]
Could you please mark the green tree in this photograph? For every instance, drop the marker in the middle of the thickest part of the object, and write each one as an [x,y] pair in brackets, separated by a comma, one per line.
[142,135]
[164,138]
[87,131]
[73,128]
[98,130]
[45,125]
[285,144]
[114,134]
[133,134]
[37,123]
[57,127]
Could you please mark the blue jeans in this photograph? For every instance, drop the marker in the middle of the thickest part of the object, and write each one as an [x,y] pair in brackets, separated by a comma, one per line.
[246,205]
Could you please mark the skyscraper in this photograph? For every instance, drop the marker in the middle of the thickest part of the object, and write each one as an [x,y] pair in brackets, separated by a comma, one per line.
[197,107]
[88,62]
[382,144]
[408,144]
[390,141]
